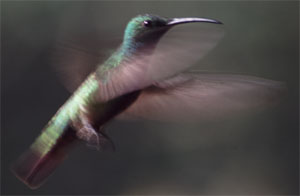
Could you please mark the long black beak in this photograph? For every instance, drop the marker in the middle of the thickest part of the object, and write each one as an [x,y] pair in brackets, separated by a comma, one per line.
[175,21]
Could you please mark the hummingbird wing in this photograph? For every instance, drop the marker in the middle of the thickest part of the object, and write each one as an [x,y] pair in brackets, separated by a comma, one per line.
[203,96]
[81,44]
[73,61]
[181,48]
[177,51]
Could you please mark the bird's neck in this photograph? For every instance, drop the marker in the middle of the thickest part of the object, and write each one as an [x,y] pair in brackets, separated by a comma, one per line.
[131,48]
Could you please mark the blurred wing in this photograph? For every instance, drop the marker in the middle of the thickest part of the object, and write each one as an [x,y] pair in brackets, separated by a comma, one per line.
[178,50]
[81,44]
[203,96]
[75,59]
[77,55]
[182,47]
[73,64]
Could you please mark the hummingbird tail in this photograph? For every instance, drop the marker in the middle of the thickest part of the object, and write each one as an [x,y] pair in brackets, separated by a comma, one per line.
[34,167]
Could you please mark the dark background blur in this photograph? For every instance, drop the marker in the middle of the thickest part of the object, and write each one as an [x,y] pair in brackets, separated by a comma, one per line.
[256,154]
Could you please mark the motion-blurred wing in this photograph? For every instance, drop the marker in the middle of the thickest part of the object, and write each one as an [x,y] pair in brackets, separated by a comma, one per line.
[178,50]
[203,96]
[81,45]
[74,60]
[73,64]
[182,47]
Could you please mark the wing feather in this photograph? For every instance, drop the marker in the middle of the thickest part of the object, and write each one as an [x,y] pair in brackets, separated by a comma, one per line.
[204,96]
[177,51]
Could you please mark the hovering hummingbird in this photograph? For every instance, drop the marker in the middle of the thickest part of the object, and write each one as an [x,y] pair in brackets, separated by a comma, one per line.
[142,78]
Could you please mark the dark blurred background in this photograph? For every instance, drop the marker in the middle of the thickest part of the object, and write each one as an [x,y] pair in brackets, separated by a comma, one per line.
[255,154]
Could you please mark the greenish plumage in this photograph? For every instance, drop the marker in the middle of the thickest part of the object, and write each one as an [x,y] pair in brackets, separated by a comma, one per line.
[68,113]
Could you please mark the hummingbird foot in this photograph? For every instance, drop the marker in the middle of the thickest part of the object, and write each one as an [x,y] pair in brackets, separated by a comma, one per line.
[94,139]
[88,134]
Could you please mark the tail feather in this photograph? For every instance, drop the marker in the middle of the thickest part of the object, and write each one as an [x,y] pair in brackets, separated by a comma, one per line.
[33,168]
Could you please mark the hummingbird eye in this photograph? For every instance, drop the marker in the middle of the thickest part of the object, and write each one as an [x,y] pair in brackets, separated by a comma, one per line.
[147,23]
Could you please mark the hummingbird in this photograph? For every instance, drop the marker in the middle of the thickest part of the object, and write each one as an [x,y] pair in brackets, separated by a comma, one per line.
[141,80]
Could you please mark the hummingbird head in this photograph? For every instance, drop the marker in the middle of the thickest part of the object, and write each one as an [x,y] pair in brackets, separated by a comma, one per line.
[146,30]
